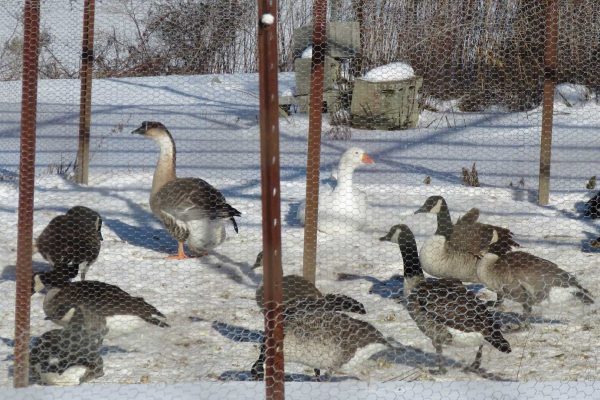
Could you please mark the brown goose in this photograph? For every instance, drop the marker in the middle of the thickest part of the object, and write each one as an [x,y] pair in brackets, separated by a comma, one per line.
[69,241]
[453,251]
[192,210]
[527,279]
[296,288]
[444,309]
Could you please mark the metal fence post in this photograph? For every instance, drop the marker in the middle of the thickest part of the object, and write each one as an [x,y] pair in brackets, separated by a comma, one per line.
[271,203]
[313,162]
[85,105]
[550,77]
[31,37]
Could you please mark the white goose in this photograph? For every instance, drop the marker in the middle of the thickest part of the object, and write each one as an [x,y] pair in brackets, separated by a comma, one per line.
[191,209]
[343,209]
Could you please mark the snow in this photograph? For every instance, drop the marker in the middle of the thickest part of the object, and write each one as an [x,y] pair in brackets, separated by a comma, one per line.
[209,302]
[307,53]
[396,71]
[552,390]
[572,95]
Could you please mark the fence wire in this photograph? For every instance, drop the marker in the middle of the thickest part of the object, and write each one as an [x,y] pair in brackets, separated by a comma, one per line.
[433,258]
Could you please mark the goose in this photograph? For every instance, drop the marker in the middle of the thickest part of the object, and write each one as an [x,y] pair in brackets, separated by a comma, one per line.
[593,207]
[68,356]
[296,288]
[318,337]
[192,210]
[453,251]
[91,303]
[343,209]
[69,241]
[443,309]
[527,279]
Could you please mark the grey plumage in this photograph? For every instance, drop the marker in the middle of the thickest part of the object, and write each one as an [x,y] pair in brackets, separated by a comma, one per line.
[444,309]
[320,338]
[525,278]
[71,240]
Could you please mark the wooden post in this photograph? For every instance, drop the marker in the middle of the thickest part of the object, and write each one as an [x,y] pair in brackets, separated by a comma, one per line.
[85,98]
[313,161]
[550,77]
[271,203]
[31,40]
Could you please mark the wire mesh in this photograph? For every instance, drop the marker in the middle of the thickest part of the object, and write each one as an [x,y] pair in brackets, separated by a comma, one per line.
[428,136]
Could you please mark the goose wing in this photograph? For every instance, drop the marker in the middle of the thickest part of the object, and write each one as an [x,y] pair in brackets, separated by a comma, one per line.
[187,199]
[470,236]
[449,303]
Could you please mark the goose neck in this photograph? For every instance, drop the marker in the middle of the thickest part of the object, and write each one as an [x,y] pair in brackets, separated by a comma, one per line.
[410,257]
[165,167]
[444,222]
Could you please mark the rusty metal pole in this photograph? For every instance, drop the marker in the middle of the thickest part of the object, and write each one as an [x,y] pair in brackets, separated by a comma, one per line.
[31,39]
[268,63]
[85,99]
[550,78]
[313,159]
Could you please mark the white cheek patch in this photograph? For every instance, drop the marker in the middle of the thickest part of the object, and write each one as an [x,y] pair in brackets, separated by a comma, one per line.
[395,236]
[38,285]
[494,236]
[437,208]
[68,316]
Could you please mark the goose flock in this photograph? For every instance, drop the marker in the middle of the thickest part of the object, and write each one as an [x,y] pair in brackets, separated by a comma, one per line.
[322,331]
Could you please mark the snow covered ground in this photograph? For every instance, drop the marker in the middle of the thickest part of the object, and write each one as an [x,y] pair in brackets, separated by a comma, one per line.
[209,302]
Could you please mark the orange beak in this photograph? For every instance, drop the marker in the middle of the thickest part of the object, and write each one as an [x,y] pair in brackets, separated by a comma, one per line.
[366,159]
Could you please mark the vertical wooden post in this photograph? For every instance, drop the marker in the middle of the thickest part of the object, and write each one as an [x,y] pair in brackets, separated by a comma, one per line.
[31,38]
[313,161]
[85,98]
[271,204]
[550,77]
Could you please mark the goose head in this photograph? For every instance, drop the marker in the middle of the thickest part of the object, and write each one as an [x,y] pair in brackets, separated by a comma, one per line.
[259,261]
[353,158]
[398,234]
[59,312]
[87,216]
[152,129]
[433,205]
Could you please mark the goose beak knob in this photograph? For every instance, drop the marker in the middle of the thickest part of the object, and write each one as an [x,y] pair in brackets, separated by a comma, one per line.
[366,159]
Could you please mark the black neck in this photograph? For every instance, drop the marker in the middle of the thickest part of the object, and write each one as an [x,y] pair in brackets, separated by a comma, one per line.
[410,256]
[444,222]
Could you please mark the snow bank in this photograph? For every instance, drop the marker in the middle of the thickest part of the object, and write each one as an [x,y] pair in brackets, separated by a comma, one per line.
[571,95]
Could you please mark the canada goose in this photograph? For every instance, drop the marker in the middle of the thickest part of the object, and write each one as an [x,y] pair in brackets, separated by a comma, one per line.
[317,337]
[70,240]
[343,209]
[593,207]
[453,251]
[91,302]
[296,287]
[191,209]
[68,356]
[444,309]
[526,279]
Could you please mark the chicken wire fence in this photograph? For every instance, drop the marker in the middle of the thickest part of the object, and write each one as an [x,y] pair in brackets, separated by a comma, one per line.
[389,112]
